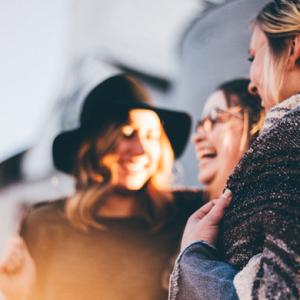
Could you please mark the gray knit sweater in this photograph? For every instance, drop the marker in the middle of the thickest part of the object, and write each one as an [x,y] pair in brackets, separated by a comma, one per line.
[264,216]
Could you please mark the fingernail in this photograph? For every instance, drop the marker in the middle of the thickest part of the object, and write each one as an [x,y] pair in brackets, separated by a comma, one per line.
[227,193]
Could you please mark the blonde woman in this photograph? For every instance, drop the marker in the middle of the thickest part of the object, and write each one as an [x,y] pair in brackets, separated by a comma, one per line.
[257,254]
[114,238]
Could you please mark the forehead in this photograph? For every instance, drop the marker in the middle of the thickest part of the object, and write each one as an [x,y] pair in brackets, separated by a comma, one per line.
[144,118]
[215,100]
[258,39]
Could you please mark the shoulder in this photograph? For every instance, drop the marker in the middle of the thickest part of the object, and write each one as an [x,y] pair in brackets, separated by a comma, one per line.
[268,175]
[276,148]
[44,224]
[285,131]
[293,115]
[42,215]
[47,209]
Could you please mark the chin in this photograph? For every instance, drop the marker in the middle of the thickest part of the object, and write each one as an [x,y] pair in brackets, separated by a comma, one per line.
[134,185]
[205,178]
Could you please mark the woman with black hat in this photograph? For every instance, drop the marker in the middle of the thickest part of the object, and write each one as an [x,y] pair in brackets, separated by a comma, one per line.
[114,238]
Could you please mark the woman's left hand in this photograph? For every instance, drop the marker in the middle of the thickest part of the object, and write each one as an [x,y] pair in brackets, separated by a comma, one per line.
[204,223]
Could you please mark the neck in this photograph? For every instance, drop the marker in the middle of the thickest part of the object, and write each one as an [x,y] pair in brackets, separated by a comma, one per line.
[214,191]
[119,204]
[291,85]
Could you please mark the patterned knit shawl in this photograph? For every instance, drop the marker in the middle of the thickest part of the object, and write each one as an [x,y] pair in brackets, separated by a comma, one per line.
[264,216]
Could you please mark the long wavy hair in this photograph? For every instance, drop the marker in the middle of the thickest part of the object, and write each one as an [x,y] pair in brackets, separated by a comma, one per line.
[280,22]
[94,175]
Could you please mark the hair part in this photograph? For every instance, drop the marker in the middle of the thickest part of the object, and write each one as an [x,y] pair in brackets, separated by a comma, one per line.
[279,20]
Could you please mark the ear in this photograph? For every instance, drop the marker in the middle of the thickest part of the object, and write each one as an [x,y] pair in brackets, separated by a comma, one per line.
[295,52]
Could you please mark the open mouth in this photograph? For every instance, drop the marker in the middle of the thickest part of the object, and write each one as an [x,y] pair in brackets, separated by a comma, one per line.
[134,167]
[207,154]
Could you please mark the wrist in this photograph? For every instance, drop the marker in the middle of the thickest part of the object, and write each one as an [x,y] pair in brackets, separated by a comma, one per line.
[196,243]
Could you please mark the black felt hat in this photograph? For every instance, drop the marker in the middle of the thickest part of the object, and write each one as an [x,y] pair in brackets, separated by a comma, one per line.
[111,100]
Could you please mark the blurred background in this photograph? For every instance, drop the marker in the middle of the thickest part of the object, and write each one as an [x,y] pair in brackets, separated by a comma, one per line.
[53,52]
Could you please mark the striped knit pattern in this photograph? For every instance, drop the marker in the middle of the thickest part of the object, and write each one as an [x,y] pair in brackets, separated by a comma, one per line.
[264,216]
[277,112]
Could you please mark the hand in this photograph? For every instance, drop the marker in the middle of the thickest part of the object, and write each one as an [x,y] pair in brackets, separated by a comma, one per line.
[17,270]
[203,224]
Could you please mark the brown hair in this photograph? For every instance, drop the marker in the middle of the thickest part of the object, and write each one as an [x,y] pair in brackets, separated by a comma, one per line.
[280,22]
[94,173]
[236,94]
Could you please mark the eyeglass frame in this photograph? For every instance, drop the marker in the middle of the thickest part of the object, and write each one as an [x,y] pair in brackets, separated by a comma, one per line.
[212,118]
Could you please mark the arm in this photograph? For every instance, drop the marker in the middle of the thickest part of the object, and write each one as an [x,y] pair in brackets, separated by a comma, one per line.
[198,272]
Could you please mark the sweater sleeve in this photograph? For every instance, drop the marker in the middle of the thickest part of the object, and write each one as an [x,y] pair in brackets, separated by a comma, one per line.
[199,274]
[273,274]
[278,275]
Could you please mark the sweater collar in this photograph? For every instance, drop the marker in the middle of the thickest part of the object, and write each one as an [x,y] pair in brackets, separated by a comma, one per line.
[279,110]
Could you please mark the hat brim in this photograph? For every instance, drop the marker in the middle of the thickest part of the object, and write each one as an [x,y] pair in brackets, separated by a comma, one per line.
[64,149]
[177,126]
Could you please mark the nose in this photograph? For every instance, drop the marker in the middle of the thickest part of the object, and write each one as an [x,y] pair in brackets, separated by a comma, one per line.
[199,135]
[252,89]
[138,147]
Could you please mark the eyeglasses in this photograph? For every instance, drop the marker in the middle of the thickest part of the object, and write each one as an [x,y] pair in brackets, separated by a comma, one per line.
[218,115]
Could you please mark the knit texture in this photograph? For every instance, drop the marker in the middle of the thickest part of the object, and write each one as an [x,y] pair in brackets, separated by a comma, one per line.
[264,216]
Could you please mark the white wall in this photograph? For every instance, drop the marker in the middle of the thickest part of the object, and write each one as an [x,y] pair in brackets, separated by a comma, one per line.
[32,54]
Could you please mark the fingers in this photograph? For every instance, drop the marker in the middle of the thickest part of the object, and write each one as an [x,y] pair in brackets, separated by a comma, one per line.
[217,212]
[225,198]
[222,203]
[203,210]
[14,257]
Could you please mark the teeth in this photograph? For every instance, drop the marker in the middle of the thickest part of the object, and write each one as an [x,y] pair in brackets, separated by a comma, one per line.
[134,168]
[208,154]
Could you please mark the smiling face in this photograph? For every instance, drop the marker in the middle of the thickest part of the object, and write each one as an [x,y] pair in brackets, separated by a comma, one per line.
[138,150]
[218,144]
[258,56]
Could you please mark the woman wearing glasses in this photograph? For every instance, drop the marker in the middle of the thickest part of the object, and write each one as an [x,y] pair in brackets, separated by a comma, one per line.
[231,120]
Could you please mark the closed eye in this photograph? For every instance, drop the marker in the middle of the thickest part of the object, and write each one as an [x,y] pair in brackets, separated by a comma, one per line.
[251,58]
[153,135]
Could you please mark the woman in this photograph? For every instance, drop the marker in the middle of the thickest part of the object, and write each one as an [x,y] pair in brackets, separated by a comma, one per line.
[259,235]
[115,237]
[231,120]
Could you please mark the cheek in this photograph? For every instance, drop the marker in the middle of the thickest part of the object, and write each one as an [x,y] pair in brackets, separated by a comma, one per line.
[122,149]
[155,153]
[256,73]
[230,142]
[219,136]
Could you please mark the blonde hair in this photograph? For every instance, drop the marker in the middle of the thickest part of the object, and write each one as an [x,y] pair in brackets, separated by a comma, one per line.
[94,174]
[280,22]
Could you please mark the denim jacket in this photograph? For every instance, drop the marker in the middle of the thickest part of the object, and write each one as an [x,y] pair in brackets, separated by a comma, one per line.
[198,274]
